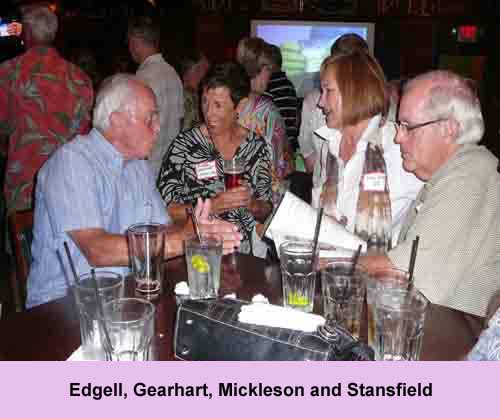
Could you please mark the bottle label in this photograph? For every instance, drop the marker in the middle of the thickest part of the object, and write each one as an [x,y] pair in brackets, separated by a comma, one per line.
[374,182]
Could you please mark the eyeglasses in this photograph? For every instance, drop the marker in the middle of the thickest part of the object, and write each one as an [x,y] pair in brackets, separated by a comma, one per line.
[404,127]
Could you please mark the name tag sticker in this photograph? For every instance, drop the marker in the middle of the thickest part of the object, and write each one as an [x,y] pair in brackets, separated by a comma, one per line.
[374,182]
[206,170]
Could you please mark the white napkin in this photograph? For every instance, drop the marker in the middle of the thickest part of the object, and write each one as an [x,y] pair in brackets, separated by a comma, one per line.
[181,289]
[278,316]
[259,298]
[78,355]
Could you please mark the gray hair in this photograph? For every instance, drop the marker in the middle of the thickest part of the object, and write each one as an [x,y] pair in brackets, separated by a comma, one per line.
[42,22]
[253,54]
[116,94]
[452,96]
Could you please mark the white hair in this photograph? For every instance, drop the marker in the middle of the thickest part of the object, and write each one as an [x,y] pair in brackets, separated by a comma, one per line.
[451,96]
[42,22]
[116,94]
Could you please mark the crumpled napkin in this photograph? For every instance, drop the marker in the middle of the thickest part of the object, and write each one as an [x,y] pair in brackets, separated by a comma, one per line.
[280,317]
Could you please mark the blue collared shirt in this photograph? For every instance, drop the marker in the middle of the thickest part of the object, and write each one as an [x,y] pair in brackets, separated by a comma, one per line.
[85,184]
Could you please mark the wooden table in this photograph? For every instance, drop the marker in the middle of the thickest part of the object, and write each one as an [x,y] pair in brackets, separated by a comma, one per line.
[51,331]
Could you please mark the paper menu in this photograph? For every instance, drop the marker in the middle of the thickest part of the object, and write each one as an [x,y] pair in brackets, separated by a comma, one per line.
[295,218]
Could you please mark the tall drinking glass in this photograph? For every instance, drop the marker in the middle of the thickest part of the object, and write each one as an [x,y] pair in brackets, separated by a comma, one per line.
[233,173]
[298,272]
[110,287]
[343,292]
[388,277]
[146,243]
[399,323]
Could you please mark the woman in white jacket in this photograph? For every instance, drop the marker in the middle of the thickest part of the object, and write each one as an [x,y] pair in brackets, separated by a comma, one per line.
[355,101]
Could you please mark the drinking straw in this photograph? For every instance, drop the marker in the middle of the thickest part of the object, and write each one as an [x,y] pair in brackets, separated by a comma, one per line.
[195,223]
[100,313]
[413,257]
[73,290]
[316,235]
[71,264]
[355,260]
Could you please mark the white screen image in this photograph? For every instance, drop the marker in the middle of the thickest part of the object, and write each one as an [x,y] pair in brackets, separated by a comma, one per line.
[304,45]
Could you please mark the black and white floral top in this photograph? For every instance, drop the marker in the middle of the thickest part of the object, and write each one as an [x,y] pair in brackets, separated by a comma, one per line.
[193,167]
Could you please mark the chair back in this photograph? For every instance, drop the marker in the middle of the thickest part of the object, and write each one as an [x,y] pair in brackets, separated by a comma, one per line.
[21,237]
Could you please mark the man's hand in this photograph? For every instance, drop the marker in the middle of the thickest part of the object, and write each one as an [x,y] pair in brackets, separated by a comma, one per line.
[232,199]
[210,225]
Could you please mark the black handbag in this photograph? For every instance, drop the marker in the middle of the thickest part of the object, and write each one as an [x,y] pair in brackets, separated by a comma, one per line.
[210,330]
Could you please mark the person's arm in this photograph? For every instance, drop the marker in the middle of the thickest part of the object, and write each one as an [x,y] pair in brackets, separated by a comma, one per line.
[375,262]
[102,249]
[310,161]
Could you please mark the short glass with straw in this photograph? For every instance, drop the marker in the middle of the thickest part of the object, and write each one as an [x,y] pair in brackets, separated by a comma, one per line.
[110,286]
[203,260]
[399,312]
[343,292]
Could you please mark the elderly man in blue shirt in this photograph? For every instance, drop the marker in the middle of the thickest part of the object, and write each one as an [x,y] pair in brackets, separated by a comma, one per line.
[94,187]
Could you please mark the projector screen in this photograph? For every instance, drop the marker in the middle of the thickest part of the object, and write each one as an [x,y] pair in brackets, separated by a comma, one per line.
[304,45]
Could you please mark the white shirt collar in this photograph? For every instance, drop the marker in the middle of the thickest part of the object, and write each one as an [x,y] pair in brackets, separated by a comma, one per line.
[151,59]
[333,136]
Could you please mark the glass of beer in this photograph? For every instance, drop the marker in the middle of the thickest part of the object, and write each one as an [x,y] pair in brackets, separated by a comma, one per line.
[233,173]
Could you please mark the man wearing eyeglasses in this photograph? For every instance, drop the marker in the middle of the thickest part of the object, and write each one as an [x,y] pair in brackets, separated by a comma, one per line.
[457,212]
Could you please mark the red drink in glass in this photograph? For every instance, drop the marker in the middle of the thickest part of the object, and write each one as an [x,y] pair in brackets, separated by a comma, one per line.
[233,174]
[232,179]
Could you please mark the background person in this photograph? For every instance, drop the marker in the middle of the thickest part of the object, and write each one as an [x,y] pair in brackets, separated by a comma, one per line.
[161,77]
[193,69]
[312,116]
[260,115]
[282,92]
[93,188]
[44,102]
[193,166]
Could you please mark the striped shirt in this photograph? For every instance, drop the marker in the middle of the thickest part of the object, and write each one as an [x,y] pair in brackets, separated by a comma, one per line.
[457,216]
[85,184]
[282,91]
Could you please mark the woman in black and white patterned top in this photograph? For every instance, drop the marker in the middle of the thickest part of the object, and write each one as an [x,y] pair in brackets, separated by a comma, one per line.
[193,164]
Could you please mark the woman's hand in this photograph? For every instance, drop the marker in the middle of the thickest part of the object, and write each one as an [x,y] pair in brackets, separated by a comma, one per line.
[232,199]
[210,225]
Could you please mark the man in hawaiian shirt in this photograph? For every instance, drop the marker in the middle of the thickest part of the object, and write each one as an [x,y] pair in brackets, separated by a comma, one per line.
[44,102]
